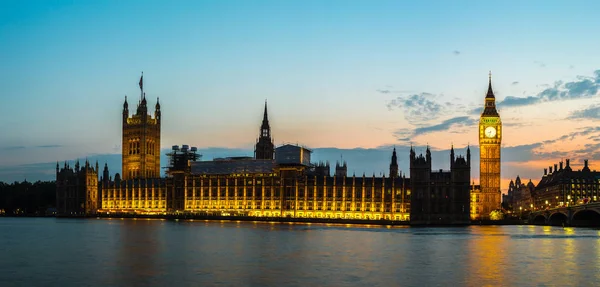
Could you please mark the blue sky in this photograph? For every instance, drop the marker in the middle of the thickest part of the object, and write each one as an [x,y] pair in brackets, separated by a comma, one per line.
[343,74]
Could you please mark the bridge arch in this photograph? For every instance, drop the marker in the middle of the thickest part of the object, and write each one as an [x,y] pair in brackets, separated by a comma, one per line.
[539,219]
[586,217]
[558,219]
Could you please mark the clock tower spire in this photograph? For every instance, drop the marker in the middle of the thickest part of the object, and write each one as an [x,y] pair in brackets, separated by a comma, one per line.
[490,139]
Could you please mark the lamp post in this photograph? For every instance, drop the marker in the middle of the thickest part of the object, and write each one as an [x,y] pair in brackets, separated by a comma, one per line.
[520,212]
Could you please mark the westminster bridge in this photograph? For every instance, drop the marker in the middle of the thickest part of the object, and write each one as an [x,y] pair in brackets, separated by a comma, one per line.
[576,215]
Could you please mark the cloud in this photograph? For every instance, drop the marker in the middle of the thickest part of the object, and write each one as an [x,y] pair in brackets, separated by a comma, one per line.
[49,146]
[405,135]
[24,147]
[417,108]
[515,83]
[13,147]
[592,112]
[456,52]
[583,87]
[389,91]
[463,121]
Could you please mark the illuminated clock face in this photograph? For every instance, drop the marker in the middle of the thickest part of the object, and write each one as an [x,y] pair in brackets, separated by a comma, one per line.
[490,132]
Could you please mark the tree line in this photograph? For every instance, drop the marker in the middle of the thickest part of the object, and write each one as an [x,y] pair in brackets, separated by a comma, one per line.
[27,198]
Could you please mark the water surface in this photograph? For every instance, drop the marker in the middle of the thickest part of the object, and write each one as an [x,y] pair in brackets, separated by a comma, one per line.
[115,252]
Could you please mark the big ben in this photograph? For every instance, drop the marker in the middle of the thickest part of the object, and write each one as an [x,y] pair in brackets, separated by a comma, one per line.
[490,138]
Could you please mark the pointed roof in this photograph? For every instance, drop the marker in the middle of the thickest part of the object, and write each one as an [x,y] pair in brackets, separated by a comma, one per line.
[490,92]
[394,158]
[265,122]
[490,101]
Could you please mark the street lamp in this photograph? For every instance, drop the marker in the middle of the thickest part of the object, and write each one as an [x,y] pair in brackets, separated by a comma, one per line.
[520,212]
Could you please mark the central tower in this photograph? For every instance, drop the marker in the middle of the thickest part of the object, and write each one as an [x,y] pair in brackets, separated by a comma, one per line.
[490,138]
[265,149]
[141,140]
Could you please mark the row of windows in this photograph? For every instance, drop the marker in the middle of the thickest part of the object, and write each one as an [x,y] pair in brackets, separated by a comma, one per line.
[276,207]
[245,180]
[134,147]
[136,173]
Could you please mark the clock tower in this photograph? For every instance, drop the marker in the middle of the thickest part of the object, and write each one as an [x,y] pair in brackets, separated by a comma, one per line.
[490,138]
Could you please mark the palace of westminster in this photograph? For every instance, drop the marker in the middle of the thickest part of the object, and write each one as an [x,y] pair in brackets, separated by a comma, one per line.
[281,181]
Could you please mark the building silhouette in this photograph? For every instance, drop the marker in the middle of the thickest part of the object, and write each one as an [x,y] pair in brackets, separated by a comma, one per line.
[490,139]
[519,196]
[77,189]
[265,148]
[394,165]
[440,197]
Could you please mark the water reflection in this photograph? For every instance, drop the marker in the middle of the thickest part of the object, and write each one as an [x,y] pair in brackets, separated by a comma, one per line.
[140,243]
[200,253]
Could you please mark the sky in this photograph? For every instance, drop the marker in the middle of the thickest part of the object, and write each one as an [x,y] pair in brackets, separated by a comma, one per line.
[349,79]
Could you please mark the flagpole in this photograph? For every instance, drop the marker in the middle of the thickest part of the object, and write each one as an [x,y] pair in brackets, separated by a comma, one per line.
[142,86]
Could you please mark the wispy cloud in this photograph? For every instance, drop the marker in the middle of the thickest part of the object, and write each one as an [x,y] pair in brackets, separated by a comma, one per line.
[463,121]
[583,87]
[49,146]
[592,112]
[13,147]
[24,147]
[405,135]
[388,90]
[417,108]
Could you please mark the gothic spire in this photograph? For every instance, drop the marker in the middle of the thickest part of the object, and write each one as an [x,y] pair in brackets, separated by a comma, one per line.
[265,122]
[490,101]
[490,92]
[265,148]
[394,164]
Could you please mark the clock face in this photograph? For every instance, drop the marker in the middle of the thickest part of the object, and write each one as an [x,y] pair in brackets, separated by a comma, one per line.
[490,132]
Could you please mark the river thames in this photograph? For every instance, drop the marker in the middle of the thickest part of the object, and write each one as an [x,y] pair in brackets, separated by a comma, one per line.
[116,252]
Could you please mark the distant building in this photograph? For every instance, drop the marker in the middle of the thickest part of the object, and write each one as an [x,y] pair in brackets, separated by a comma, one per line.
[77,189]
[519,195]
[564,186]
[440,197]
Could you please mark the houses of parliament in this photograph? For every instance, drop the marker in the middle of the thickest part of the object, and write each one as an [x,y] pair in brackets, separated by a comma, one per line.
[279,181]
